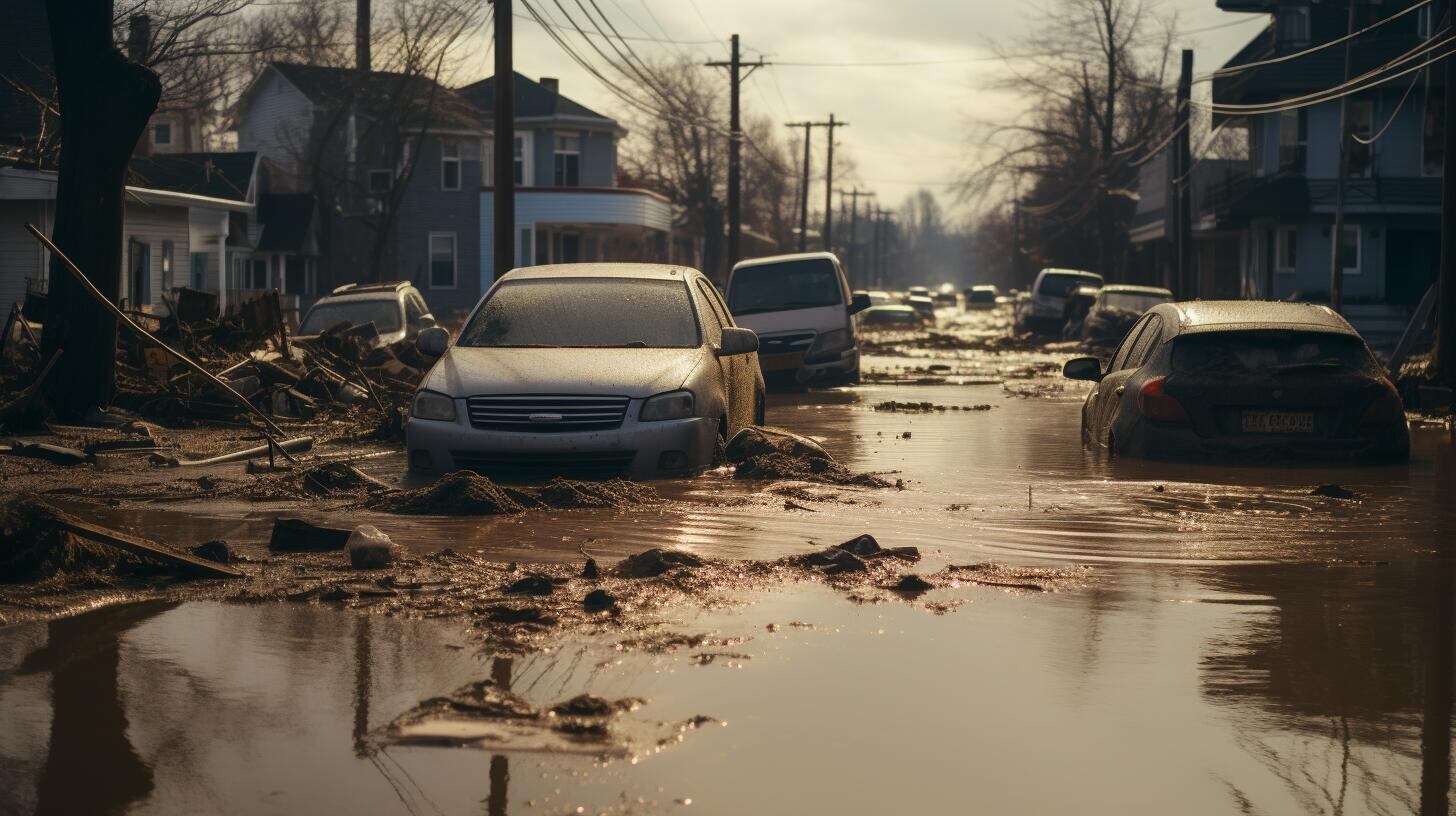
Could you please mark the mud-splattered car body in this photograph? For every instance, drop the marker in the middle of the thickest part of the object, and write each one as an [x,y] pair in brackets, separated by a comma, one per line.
[1215,379]
[591,370]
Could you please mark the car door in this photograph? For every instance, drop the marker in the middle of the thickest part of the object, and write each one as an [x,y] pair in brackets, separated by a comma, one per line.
[713,324]
[1106,394]
[1149,332]
[744,376]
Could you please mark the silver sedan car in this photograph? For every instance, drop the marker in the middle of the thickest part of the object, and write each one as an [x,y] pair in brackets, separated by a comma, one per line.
[589,370]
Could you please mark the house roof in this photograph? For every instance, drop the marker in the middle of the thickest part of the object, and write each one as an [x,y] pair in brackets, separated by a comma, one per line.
[532,99]
[324,85]
[287,220]
[215,175]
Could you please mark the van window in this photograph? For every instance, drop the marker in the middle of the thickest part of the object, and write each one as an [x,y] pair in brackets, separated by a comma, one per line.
[778,287]
[1061,284]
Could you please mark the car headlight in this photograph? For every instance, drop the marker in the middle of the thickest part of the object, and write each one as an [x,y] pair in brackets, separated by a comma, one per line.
[430,405]
[672,405]
[829,342]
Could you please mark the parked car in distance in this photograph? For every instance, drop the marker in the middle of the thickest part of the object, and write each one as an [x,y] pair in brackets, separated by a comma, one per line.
[1044,310]
[1079,304]
[923,306]
[945,299]
[879,297]
[916,291]
[397,310]
[890,317]
[1209,379]
[1116,308]
[800,306]
[981,297]
[592,370]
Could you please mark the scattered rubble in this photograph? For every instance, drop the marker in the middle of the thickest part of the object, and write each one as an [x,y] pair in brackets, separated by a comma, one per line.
[297,535]
[927,407]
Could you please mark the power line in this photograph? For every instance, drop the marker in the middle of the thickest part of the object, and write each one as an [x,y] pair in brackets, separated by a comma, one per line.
[658,40]
[1373,139]
[1257,18]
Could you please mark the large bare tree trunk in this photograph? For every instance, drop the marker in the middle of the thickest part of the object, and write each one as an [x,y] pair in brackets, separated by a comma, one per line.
[105,102]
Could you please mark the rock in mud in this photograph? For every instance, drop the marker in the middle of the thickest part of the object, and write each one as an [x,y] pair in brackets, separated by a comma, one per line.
[531,585]
[369,548]
[656,561]
[834,561]
[218,551]
[911,584]
[764,440]
[861,545]
[590,571]
[1334,491]
[297,535]
[599,600]
[460,493]
[568,494]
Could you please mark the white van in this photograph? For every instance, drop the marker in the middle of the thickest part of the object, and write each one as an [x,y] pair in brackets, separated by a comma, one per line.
[801,308]
[1045,310]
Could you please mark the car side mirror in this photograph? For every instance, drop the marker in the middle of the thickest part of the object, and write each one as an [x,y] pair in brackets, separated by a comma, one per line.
[433,341]
[1083,368]
[859,303]
[737,341]
[424,322]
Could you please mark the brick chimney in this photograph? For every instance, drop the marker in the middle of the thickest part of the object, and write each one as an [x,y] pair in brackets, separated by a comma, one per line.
[361,35]
[551,84]
[138,37]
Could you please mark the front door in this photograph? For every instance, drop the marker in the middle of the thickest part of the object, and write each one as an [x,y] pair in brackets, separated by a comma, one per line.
[140,266]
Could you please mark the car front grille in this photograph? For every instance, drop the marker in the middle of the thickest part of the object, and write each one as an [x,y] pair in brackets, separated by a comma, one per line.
[546,413]
[539,467]
[785,343]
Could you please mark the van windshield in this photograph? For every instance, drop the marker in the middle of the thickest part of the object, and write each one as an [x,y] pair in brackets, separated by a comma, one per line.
[778,287]
[1060,284]
[585,313]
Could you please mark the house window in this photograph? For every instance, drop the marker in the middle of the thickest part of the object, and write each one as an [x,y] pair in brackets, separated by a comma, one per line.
[1361,156]
[568,159]
[523,158]
[1350,250]
[1293,137]
[162,134]
[1286,252]
[1294,27]
[167,267]
[198,263]
[1433,155]
[379,181]
[449,165]
[442,260]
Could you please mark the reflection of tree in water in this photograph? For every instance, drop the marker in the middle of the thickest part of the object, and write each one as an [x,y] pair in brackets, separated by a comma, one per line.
[91,766]
[1354,665]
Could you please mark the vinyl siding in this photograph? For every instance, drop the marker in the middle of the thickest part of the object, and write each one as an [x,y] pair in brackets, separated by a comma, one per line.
[275,122]
[152,225]
[20,253]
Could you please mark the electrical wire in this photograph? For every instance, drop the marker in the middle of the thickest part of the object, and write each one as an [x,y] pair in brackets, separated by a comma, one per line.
[1249,66]
[1415,80]
[659,40]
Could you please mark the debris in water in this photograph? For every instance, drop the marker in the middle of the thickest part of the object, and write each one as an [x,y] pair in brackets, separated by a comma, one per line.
[911,584]
[297,535]
[764,440]
[1334,491]
[599,600]
[656,561]
[590,571]
[531,585]
[368,548]
[217,550]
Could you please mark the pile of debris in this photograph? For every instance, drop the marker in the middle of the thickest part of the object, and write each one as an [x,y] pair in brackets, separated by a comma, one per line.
[762,452]
[463,493]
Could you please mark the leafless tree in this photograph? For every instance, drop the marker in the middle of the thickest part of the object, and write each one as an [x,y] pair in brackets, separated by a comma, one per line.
[1097,76]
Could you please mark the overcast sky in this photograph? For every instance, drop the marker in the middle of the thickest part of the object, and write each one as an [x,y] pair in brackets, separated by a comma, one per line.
[907,124]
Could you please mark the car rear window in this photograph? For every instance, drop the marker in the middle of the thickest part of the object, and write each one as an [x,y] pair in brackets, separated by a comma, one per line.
[1131,301]
[326,315]
[1270,352]
[981,296]
[889,317]
[1057,284]
[778,287]
[585,313]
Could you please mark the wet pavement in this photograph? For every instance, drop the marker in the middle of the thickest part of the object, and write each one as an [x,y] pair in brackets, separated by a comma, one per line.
[1240,645]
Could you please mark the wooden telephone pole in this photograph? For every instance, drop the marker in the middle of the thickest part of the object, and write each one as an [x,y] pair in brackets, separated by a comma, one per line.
[804,187]
[505,142]
[1182,188]
[829,185]
[853,196]
[736,75]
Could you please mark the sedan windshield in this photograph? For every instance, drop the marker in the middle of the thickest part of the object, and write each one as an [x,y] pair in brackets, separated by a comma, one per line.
[327,314]
[1270,352]
[585,313]
[778,287]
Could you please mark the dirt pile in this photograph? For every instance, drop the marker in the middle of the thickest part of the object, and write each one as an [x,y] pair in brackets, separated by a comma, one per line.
[858,555]
[567,494]
[775,454]
[34,548]
[463,493]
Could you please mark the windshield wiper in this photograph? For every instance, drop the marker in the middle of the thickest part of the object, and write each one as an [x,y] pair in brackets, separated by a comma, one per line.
[1314,365]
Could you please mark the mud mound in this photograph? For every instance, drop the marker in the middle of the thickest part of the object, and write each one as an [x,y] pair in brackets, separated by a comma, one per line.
[334,479]
[926,407]
[567,494]
[461,493]
[764,440]
[778,466]
[33,548]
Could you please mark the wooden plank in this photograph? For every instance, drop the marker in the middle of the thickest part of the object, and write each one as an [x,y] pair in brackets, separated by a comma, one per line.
[142,547]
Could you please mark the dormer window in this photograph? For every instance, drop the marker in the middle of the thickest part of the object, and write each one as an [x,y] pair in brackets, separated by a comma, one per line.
[568,159]
[449,165]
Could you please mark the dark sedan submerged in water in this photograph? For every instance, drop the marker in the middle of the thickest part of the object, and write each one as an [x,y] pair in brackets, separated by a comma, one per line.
[1210,378]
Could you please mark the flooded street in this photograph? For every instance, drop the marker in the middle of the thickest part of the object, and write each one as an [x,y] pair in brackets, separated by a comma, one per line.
[1237,644]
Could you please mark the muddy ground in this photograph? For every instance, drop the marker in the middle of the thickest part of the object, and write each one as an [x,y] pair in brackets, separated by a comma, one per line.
[1069,634]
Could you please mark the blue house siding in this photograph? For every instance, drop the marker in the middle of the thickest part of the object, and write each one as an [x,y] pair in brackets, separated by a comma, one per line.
[624,208]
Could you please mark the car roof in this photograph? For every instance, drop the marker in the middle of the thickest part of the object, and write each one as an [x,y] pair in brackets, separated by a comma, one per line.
[919,297]
[795,256]
[640,271]
[1125,288]
[889,307]
[355,296]
[1201,316]
[984,287]
[1051,270]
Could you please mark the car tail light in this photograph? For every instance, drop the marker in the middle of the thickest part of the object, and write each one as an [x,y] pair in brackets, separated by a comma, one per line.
[1386,409]
[1157,405]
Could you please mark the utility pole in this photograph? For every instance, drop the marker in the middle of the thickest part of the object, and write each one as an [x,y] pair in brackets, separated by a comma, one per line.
[1182,189]
[736,75]
[1016,280]
[505,143]
[804,188]
[361,35]
[853,196]
[1445,354]
[1337,235]
[829,185]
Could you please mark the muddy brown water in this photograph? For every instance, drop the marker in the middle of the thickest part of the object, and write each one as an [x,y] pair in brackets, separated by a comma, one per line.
[1243,647]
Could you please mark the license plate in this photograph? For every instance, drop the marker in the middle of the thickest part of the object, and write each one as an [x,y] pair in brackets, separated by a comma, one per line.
[1278,422]
[779,362]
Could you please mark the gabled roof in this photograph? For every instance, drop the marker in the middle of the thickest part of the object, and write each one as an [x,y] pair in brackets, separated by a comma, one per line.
[288,222]
[532,100]
[328,86]
[215,175]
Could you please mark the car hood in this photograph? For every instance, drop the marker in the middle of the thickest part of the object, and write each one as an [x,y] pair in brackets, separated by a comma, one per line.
[465,371]
[815,319]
